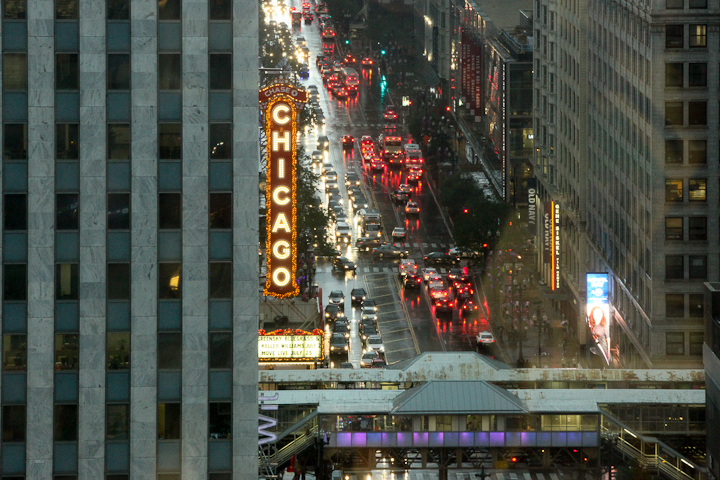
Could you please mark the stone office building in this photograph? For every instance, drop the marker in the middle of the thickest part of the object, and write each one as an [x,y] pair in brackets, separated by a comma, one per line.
[129,242]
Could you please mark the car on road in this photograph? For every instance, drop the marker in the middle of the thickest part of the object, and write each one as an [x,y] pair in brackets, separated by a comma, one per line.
[304,72]
[440,258]
[340,92]
[348,142]
[349,60]
[333,311]
[344,264]
[342,325]
[368,243]
[319,60]
[408,265]
[464,252]
[366,140]
[338,343]
[358,295]
[376,164]
[404,187]
[330,176]
[343,232]
[398,234]
[359,202]
[367,62]
[369,317]
[429,272]
[438,292]
[412,208]
[413,175]
[390,114]
[412,280]
[375,343]
[468,308]
[369,305]
[399,197]
[323,143]
[326,167]
[454,273]
[367,330]
[464,291]
[317,157]
[367,359]
[378,362]
[485,339]
[337,297]
[444,305]
[351,178]
[300,41]
[372,229]
[389,250]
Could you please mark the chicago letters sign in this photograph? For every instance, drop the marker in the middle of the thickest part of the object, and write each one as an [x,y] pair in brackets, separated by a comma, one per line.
[280,114]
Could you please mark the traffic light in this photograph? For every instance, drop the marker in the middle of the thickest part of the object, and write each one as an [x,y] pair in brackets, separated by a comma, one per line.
[347,42]
[465,210]
[382,52]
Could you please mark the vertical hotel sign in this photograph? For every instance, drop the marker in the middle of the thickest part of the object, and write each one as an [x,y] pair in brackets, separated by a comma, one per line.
[555,215]
[279,106]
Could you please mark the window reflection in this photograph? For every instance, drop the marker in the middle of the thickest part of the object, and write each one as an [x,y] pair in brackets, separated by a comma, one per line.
[14,352]
[66,351]
[118,351]
[170,281]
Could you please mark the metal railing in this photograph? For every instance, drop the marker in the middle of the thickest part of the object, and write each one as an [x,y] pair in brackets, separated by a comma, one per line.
[268,463]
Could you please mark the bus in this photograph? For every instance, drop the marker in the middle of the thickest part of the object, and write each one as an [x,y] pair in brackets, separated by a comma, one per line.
[413,156]
[391,149]
[349,77]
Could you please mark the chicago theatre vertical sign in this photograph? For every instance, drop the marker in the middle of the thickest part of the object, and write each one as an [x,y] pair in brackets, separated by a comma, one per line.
[279,106]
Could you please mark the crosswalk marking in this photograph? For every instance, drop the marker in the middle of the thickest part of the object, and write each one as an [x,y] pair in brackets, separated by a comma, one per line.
[376,270]
[553,476]
[527,476]
[540,476]
[416,245]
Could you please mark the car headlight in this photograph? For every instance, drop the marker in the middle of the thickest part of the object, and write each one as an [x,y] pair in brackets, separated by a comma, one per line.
[327,314]
[332,348]
[342,300]
[346,347]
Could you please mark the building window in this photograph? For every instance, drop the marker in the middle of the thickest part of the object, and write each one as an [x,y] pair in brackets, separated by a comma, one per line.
[169,9]
[169,351]
[14,9]
[674,36]
[118,351]
[169,421]
[220,350]
[66,9]
[675,343]
[698,228]
[118,281]
[220,71]
[674,151]
[220,280]
[220,420]
[66,351]
[170,211]
[170,141]
[673,113]
[66,141]
[66,211]
[67,281]
[118,9]
[697,190]
[674,4]
[220,9]
[118,141]
[696,343]
[66,423]
[170,281]
[13,423]
[697,113]
[67,71]
[118,71]
[118,205]
[697,305]
[698,267]
[698,36]
[673,190]
[14,353]
[169,71]
[220,141]
[15,212]
[15,71]
[697,74]
[15,282]
[15,141]
[674,267]
[443,423]
[697,151]
[220,210]
[698,3]
[117,418]
[673,228]
[674,74]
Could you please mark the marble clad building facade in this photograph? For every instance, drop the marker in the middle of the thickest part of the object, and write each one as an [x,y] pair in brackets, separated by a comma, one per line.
[129,242]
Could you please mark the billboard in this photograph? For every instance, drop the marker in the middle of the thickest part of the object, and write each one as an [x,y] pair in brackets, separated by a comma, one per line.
[280,117]
[532,206]
[290,346]
[598,311]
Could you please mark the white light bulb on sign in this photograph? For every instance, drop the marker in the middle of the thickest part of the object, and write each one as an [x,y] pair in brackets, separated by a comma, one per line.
[281,190]
[281,168]
[281,276]
[281,250]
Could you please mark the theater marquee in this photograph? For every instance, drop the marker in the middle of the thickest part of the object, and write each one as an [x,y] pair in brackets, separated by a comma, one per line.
[280,116]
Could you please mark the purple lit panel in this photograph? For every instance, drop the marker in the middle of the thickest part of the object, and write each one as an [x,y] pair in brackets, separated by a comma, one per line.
[528,439]
[482,439]
[374,439]
[466,439]
[343,439]
[420,439]
[574,439]
[512,439]
[497,439]
[544,439]
[389,439]
[559,439]
[451,439]
[359,439]
[590,439]
[404,439]
[436,439]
